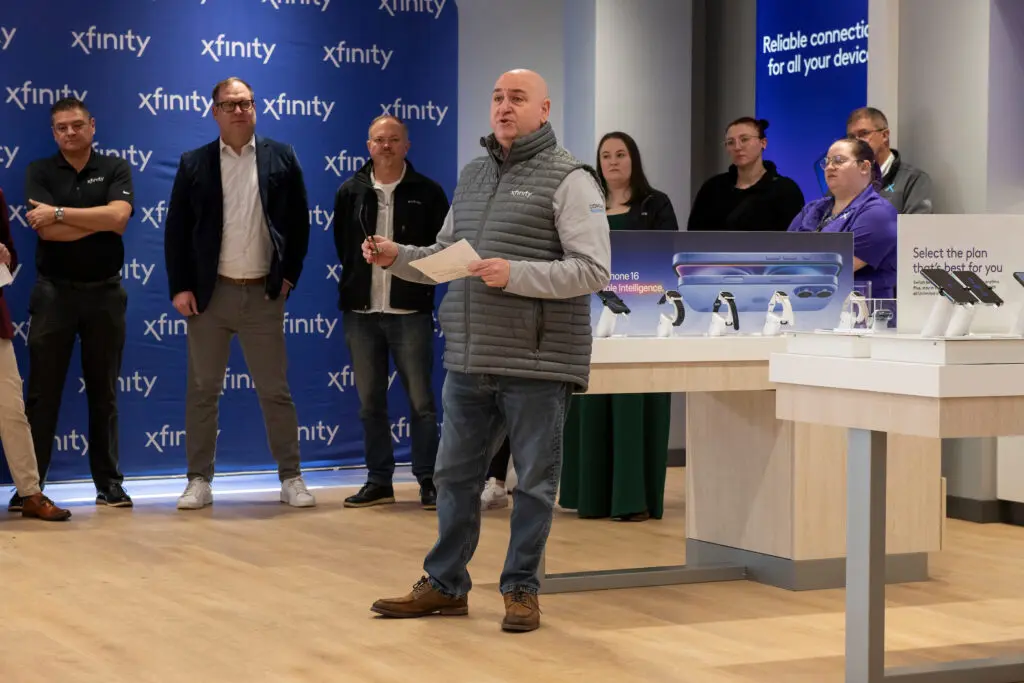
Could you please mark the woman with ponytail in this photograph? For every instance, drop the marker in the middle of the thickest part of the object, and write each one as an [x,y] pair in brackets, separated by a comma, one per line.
[751,195]
[853,204]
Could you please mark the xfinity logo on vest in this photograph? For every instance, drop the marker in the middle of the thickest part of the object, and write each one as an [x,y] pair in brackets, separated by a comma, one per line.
[318,217]
[318,325]
[91,40]
[341,54]
[138,271]
[277,4]
[136,157]
[219,48]
[154,215]
[165,327]
[7,155]
[416,112]
[132,384]
[6,36]
[432,7]
[334,272]
[343,162]
[318,432]
[237,381]
[282,106]
[158,101]
[24,95]
[522,194]
[72,442]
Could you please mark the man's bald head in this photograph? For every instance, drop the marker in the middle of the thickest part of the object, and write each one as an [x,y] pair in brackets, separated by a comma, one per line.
[519,105]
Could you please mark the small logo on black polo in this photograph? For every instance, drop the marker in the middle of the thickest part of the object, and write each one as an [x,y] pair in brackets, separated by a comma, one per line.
[97,179]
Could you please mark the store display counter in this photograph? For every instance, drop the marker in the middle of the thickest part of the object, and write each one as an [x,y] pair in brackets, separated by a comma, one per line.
[765,498]
[876,403]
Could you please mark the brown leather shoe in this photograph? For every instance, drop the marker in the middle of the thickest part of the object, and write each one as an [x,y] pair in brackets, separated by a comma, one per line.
[522,612]
[41,507]
[423,601]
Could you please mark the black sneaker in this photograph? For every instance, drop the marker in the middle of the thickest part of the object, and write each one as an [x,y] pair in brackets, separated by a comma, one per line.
[115,497]
[16,503]
[428,495]
[371,494]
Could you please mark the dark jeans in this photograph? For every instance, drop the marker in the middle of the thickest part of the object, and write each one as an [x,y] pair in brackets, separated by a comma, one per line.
[409,338]
[477,409]
[499,463]
[95,313]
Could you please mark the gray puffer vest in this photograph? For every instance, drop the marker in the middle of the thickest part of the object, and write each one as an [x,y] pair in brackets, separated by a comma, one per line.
[504,208]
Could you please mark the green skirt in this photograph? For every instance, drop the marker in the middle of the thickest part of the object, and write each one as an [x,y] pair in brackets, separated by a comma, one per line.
[616,454]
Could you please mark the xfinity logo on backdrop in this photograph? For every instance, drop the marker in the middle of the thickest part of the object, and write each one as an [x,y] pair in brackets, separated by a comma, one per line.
[154,215]
[347,378]
[236,381]
[341,54]
[91,40]
[276,4]
[318,432]
[334,272]
[21,330]
[138,271]
[220,48]
[343,162]
[415,112]
[400,430]
[318,216]
[158,100]
[72,442]
[14,213]
[7,155]
[6,36]
[132,384]
[136,157]
[166,438]
[165,327]
[318,325]
[25,94]
[432,7]
[282,106]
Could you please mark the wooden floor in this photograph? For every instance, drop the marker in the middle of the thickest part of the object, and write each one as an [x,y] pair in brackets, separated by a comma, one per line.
[253,592]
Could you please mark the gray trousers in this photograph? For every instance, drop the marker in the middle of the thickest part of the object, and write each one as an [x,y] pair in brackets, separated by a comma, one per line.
[259,323]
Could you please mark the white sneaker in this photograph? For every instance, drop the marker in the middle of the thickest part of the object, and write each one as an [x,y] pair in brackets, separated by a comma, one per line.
[198,494]
[295,493]
[494,496]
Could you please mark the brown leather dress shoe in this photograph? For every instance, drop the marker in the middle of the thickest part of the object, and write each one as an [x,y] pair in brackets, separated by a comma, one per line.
[423,601]
[522,612]
[41,507]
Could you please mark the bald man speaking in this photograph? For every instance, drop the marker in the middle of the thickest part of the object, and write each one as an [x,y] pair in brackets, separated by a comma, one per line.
[517,342]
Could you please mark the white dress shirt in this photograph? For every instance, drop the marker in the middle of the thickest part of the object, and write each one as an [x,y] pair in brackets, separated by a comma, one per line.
[380,286]
[246,248]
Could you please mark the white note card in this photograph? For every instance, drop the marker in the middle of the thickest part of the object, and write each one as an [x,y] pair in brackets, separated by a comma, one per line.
[5,275]
[448,264]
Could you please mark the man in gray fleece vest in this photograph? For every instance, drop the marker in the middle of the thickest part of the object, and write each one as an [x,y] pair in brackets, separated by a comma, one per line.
[517,342]
[907,188]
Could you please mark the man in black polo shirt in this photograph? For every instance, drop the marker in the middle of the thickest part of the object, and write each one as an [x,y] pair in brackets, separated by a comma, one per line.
[81,202]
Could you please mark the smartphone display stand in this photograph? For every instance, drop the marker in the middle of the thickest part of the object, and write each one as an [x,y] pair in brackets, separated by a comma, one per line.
[1017,329]
[606,323]
[947,319]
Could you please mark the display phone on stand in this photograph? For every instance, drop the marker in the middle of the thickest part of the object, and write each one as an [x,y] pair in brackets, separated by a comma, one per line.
[978,287]
[1019,277]
[949,286]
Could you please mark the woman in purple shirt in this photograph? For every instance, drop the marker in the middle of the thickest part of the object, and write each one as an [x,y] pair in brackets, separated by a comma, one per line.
[854,205]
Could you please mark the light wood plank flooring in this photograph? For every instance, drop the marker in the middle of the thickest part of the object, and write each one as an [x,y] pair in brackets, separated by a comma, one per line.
[253,591]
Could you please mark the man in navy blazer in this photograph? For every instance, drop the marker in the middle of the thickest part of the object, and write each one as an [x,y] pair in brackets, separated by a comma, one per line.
[237,231]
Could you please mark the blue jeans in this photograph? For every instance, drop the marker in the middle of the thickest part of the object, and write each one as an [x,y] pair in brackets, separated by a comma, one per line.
[410,340]
[478,409]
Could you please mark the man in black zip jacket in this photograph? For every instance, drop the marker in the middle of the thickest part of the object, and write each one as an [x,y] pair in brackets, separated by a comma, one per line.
[382,314]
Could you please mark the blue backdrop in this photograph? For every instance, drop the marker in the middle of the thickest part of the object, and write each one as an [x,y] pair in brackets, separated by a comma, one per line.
[321,70]
[811,73]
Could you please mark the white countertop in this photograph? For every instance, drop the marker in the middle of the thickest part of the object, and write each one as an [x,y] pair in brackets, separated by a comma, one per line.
[695,349]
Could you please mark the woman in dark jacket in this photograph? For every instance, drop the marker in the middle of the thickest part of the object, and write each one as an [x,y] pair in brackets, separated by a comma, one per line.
[751,195]
[615,450]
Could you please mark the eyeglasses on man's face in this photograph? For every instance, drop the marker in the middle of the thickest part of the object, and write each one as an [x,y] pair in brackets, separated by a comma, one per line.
[228,106]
